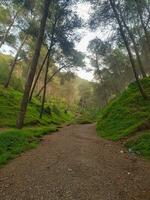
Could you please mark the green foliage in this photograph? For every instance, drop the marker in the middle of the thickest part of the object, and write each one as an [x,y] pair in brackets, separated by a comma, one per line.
[140,145]
[14,142]
[4,15]
[9,108]
[87,116]
[4,63]
[126,114]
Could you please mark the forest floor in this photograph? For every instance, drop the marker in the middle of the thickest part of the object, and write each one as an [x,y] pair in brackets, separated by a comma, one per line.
[75,164]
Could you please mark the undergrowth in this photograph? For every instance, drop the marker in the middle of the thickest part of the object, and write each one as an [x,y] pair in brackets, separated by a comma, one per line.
[14,141]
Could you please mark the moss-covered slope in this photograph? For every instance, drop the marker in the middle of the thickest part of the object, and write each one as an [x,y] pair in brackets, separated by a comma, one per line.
[126,114]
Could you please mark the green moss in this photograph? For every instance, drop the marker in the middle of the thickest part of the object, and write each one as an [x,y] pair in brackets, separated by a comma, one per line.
[140,145]
[126,114]
[14,142]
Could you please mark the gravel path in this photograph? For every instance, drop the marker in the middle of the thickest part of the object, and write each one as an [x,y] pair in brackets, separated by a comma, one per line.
[75,164]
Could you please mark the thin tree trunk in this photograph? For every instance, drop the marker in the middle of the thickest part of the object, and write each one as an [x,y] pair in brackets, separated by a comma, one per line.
[14,62]
[8,30]
[49,80]
[37,77]
[128,48]
[47,66]
[143,24]
[135,46]
[48,54]
[35,58]
[44,92]
[101,79]
[145,49]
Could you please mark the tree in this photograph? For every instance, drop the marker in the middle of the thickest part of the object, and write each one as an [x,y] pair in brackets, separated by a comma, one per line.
[29,30]
[74,60]
[16,8]
[107,13]
[8,29]
[62,23]
[139,5]
[133,41]
[14,61]
[31,75]
[127,47]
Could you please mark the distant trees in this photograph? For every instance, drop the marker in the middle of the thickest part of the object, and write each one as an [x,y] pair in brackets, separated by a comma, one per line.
[58,37]
[43,37]
[128,21]
[121,28]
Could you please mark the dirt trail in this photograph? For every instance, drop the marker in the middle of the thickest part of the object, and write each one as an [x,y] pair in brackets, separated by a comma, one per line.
[75,164]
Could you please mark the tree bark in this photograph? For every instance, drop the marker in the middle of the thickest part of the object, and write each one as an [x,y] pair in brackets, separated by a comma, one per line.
[128,48]
[37,77]
[32,71]
[14,62]
[44,92]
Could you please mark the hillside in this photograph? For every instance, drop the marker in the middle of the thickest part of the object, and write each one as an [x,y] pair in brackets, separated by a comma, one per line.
[14,141]
[125,116]
[9,107]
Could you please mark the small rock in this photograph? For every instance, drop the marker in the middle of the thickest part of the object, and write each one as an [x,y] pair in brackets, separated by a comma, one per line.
[122,151]
[130,150]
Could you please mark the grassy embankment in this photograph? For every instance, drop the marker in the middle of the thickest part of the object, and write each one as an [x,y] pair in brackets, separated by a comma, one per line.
[127,115]
[87,116]
[13,141]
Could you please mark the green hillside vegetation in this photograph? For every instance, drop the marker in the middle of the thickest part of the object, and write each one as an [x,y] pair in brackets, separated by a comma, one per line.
[16,82]
[128,114]
[140,145]
[14,142]
[9,107]
[4,61]
[87,116]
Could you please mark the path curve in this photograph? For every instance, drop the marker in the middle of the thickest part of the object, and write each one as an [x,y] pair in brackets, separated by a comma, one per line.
[76,164]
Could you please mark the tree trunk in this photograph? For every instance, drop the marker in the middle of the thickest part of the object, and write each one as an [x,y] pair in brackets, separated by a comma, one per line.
[128,49]
[37,77]
[8,30]
[35,58]
[134,45]
[44,92]
[48,54]
[14,62]
[142,23]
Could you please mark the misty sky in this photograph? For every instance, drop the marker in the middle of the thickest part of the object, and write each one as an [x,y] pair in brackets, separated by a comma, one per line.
[84,10]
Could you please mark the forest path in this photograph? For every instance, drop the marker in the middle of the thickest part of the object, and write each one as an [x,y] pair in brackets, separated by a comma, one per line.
[76,164]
